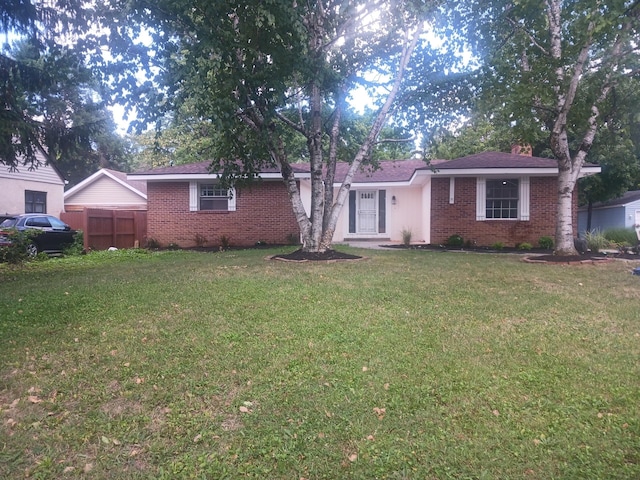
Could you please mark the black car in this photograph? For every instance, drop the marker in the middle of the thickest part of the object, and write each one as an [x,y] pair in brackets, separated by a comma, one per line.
[54,235]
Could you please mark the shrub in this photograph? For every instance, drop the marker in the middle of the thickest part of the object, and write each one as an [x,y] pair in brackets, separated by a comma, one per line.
[621,236]
[455,241]
[173,246]
[596,240]
[546,243]
[406,236]
[152,243]
[77,247]
[225,242]
[17,252]
[498,246]
[200,240]
[524,246]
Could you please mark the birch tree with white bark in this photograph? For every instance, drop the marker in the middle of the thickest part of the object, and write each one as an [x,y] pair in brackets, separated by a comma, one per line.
[550,67]
[262,72]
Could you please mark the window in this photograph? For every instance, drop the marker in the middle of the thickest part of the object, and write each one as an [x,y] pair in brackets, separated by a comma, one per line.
[35,202]
[213,198]
[502,198]
[208,196]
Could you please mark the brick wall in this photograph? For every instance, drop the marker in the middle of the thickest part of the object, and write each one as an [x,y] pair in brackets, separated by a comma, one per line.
[263,213]
[460,217]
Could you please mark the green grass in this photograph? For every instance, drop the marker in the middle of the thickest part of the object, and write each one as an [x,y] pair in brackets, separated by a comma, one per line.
[408,365]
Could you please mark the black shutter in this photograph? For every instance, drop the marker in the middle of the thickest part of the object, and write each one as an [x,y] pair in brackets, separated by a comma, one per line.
[352,211]
[382,211]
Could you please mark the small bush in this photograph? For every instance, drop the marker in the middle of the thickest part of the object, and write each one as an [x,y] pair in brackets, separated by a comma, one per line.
[200,240]
[17,252]
[225,242]
[152,243]
[621,236]
[173,246]
[77,247]
[455,241]
[406,236]
[546,243]
[596,240]
[524,246]
[498,246]
[261,243]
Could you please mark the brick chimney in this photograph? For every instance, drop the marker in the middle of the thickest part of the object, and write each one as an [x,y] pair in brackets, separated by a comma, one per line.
[517,149]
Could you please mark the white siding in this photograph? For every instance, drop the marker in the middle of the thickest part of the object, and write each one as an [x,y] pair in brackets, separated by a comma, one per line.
[104,191]
[42,179]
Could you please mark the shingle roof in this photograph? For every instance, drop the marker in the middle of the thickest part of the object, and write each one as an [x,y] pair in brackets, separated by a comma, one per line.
[388,171]
[199,168]
[627,197]
[137,184]
[392,171]
[498,160]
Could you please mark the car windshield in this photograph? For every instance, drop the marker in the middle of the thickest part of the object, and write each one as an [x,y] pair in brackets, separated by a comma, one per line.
[9,222]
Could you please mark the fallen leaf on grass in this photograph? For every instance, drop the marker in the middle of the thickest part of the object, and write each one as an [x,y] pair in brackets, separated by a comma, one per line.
[380,412]
[496,413]
[34,399]
[353,457]
[244,409]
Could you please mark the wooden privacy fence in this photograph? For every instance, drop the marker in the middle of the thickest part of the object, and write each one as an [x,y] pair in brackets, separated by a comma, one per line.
[109,228]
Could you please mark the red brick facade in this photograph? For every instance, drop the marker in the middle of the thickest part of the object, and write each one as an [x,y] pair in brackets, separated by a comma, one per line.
[460,217]
[263,214]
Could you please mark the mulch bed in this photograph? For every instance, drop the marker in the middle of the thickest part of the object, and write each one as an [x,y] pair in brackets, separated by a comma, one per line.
[328,256]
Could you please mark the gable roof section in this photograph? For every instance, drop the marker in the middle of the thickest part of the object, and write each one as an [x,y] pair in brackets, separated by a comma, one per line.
[137,187]
[46,172]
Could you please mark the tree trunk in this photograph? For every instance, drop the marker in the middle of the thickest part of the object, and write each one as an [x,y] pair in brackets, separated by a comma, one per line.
[564,219]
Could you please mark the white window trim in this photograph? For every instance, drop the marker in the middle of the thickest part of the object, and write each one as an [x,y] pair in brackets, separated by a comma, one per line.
[452,190]
[524,200]
[194,197]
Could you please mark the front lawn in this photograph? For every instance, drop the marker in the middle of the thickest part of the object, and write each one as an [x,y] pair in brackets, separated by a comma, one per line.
[408,365]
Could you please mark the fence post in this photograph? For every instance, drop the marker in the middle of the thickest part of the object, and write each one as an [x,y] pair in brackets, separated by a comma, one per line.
[85,228]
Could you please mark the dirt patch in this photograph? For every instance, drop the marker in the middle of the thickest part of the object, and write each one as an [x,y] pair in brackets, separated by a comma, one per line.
[328,256]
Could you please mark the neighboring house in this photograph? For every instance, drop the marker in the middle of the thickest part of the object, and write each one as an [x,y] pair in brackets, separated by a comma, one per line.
[622,212]
[486,198]
[107,189]
[36,190]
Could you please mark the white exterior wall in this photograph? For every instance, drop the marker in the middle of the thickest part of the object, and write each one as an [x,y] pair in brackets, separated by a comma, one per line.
[411,211]
[105,192]
[632,210]
[43,179]
[406,214]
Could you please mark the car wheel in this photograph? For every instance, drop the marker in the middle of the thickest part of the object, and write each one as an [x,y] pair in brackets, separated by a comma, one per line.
[32,250]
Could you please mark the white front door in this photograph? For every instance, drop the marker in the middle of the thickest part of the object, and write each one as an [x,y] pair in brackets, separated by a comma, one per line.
[638,224]
[367,217]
